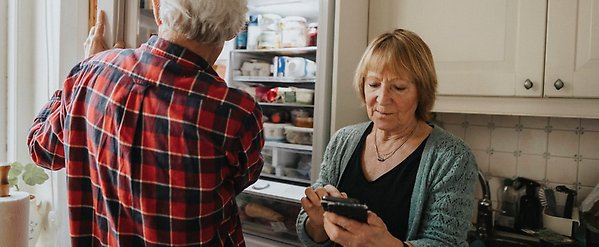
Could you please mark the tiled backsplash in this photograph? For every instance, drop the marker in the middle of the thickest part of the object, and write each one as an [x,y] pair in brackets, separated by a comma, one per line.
[552,151]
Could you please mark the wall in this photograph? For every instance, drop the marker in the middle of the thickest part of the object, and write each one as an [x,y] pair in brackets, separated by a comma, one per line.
[552,151]
[3,75]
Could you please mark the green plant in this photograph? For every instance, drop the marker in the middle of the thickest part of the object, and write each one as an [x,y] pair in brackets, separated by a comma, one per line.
[30,173]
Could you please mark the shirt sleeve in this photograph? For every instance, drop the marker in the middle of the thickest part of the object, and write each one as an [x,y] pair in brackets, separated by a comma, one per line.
[328,174]
[446,215]
[46,137]
[251,137]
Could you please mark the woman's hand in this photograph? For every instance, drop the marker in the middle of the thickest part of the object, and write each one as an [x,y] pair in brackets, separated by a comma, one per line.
[348,232]
[312,206]
[95,39]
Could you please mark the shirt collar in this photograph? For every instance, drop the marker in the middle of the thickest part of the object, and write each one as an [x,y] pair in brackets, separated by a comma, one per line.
[177,53]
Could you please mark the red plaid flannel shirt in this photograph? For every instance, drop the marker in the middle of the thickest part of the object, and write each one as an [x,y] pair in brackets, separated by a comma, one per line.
[155,145]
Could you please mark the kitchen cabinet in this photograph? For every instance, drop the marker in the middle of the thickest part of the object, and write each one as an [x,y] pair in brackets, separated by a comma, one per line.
[572,56]
[526,57]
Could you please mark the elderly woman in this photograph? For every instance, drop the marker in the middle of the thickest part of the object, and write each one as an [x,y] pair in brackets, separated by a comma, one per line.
[416,179]
[155,145]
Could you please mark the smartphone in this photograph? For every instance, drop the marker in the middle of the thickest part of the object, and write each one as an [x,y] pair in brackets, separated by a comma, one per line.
[347,207]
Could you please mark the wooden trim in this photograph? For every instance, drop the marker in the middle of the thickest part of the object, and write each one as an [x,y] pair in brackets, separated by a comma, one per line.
[93,8]
[542,107]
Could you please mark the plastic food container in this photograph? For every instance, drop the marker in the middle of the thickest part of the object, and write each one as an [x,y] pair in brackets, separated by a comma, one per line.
[275,132]
[305,122]
[294,31]
[304,96]
[298,135]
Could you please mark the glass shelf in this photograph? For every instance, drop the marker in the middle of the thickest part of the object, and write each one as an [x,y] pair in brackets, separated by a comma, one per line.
[285,105]
[284,51]
[274,79]
[288,146]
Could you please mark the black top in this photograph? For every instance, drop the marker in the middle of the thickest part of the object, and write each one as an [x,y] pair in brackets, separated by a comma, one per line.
[388,196]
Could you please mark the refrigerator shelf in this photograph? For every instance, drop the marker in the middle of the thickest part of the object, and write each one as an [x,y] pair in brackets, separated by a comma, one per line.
[282,51]
[287,180]
[285,105]
[274,79]
[288,146]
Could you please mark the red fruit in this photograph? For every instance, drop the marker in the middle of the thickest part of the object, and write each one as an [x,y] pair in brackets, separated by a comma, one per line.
[275,117]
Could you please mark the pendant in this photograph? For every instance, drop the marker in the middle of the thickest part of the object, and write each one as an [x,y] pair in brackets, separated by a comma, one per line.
[381,159]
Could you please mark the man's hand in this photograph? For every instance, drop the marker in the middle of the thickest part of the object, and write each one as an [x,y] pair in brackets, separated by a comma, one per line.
[95,39]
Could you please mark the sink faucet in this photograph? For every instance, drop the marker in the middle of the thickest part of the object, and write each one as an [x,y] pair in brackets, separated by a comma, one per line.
[484,219]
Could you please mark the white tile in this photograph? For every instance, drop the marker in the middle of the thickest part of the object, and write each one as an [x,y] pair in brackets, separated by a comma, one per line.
[563,143]
[561,170]
[502,164]
[505,121]
[589,144]
[582,193]
[477,119]
[532,141]
[534,122]
[590,124]
[455,129]
[532,166]
[588,172]
[478,137]
[451,118]
[482,159]
[504,139]
[564,123]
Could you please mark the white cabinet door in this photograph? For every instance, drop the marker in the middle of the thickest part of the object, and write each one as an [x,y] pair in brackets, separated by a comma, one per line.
[572,49]
[485,48]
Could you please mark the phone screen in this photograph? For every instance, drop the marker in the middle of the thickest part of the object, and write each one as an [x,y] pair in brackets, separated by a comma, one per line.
[347,207]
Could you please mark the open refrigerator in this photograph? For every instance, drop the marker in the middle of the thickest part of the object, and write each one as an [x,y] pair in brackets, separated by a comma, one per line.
[296,101]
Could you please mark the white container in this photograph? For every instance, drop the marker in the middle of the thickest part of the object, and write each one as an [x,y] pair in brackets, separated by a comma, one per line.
[253,33]
[304,96]
[294,67]
[294,31]
[561,225]
[275,132]
[298,135]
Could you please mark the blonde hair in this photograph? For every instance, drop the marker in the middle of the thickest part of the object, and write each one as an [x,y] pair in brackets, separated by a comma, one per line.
[204,21]
[402,53]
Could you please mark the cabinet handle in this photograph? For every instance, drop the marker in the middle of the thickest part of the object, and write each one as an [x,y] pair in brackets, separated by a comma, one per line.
[528,84]
[559,84]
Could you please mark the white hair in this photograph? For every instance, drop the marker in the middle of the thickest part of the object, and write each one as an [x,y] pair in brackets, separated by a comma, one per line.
[204,21]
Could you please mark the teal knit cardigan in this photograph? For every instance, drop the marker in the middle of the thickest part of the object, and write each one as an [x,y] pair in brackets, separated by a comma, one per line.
[443,196]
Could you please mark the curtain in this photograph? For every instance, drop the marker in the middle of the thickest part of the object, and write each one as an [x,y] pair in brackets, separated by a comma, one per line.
[43,42]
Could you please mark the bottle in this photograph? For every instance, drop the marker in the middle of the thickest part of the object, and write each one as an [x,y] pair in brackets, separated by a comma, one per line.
[509,205]
[312,33]
[242,38]
[529,209]
[253,33]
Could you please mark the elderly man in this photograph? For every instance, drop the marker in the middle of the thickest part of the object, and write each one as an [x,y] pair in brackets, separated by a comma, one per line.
[155,145]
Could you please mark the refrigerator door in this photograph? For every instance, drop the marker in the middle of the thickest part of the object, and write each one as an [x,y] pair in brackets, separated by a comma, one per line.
[114,11]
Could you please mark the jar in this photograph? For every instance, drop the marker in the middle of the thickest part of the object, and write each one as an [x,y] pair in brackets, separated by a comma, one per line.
[267,40]
[293,31]
[312,33]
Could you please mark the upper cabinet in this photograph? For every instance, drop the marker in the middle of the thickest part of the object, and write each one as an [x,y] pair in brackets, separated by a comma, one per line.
[572,56]
[480,47]
[540,56]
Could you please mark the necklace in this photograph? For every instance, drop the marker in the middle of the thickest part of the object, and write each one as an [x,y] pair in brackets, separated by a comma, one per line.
[382,158]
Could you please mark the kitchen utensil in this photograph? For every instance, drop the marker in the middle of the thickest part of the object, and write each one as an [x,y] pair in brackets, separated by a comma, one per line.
[551,204]
[569,201]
